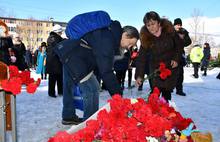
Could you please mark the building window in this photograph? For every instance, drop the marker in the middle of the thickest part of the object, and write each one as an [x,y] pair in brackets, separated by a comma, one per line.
[39,24]
[12,21]
[11,29]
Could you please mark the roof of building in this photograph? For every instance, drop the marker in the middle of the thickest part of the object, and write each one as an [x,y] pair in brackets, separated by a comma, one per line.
[47,21]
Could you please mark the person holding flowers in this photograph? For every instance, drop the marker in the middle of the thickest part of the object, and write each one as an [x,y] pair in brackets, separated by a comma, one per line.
[6,45]
[157,36]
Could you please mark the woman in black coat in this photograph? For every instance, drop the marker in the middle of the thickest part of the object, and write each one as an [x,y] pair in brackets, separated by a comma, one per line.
[5,44]
[20,52]
[158,37]
[205,59]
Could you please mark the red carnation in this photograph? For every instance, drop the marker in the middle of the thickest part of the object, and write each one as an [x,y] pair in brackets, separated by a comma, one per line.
[31,88]
[38,81]
[162,66]
[13,70]
[134,55]
[163,75]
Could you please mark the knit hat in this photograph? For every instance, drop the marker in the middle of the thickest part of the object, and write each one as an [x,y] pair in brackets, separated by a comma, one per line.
[177,21]
[57,28]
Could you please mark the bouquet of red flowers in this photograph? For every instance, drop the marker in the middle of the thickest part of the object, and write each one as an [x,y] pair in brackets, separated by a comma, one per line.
[130,120]
[18,78]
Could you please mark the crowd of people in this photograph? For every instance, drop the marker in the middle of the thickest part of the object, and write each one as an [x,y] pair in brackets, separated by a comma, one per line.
[106,55]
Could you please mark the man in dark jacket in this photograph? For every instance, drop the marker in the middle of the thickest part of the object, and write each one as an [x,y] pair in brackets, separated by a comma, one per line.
[186,41]
[53,64]
[95,50]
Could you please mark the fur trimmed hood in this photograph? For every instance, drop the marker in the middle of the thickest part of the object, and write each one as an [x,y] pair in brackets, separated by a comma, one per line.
[146,37]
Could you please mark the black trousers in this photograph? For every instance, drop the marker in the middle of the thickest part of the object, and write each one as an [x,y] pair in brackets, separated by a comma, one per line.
[120,74]
[218,76]
[196,69]
[166,94]
[180,78]
[43,76]
[129,77]
[53,79]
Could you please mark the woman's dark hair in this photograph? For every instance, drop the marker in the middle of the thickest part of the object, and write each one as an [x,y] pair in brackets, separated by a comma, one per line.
[43,44]
[206,44]
[151,16]
[132,32]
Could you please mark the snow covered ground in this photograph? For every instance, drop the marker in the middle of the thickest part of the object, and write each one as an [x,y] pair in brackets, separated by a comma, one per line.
[39,116]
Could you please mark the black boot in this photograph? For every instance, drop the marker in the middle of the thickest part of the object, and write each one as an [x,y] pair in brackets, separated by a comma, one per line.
[53,96]
[181,93]
[205,72]
[218,76]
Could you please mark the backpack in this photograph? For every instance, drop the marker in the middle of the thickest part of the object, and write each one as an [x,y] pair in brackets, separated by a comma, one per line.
[81,24]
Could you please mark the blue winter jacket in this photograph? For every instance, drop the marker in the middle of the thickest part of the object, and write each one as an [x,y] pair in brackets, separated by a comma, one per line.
[80,61]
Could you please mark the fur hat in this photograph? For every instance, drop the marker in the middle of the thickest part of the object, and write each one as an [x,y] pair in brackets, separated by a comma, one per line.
[57,28]
[177,21]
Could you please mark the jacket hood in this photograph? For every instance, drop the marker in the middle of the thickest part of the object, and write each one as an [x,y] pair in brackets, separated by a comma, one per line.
[146,37]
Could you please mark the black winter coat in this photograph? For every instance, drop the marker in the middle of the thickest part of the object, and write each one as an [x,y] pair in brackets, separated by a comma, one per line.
[186,41]
[206,57]
[20,51]
[53,64]
[123,63]
[5,44]
[80,61]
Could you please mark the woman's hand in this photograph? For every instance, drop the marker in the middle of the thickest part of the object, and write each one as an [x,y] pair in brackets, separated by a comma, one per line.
[13,59]
[174,64]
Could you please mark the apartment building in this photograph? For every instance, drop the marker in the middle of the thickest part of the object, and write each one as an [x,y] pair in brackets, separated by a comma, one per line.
[31,31]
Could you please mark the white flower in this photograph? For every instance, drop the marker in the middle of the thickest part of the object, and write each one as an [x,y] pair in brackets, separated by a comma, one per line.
[151,139]
[133,101]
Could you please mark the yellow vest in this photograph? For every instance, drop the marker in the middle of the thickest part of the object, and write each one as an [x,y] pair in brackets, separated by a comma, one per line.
[196,54]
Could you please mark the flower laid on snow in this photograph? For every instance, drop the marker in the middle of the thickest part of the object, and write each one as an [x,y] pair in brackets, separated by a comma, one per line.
[135,120]
[17,79]
[31,88]
[12,85]
[129,121]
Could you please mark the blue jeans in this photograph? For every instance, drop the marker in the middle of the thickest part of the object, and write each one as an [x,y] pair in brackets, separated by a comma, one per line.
[68,107]
[90,93]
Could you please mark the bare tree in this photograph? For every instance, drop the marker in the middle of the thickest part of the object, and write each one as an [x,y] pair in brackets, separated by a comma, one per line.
[30,32]
[195,25]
